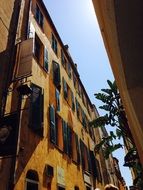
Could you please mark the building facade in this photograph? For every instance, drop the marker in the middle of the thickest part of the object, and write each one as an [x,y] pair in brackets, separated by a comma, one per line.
[123,42]
[45,139]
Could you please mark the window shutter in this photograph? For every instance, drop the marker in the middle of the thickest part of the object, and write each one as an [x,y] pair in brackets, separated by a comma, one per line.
[77,107]
[52,125]
[57,100]
[73,104]
[82,154]
[69,70]
[77,149]
[39,16]
[46,59]
[89,160]
[65,137]
[36,108]
[69,135]
[56,74]
[65,89]
[54,44]
[93,163]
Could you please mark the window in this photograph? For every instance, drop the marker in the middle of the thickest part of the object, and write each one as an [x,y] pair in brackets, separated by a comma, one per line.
[59,132]
[93,163]
[69,70]
[77,107]
[32,180]
[57,100]
[67,139]
[54,44]
[85,157]
[38,49]
[39,16]
[63,59]
[36,109]
[46,59]
[75,152]
[53,131]
[56,75]
[61,188]
[65,89]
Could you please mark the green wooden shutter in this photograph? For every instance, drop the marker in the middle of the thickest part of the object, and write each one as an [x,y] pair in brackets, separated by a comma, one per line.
[69,139]
[77,149]
[65,137]
[46,59]
[57,100]
[52,125]
[73,104]
[65,89]
[77,107]
[82,154]
[93,164]
[56,74]
[36,108]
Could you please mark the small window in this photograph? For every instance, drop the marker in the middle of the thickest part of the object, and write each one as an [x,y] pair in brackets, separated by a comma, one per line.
[39,16]
[56,75]
[32,180]
[54,44]
[75,152]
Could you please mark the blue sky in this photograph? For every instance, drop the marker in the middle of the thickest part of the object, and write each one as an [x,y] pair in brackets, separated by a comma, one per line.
[77,25]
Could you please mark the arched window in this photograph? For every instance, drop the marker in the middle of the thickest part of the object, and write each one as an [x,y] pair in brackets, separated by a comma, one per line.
[32,180]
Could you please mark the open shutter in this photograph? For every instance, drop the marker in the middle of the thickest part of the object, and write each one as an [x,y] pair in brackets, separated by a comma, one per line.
[56,74]
[52,125]
[36,108]
[65,137]
[46,59]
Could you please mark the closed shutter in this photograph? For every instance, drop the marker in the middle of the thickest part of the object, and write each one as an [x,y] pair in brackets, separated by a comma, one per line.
[36,108]
[73,104]
[77,149]
[46,59]
[82,154]
[93,163]
[89,160]
[69,135]
[65,89]
[52,125]
[65,137]
[57,100]
[56,74]
[77,107]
